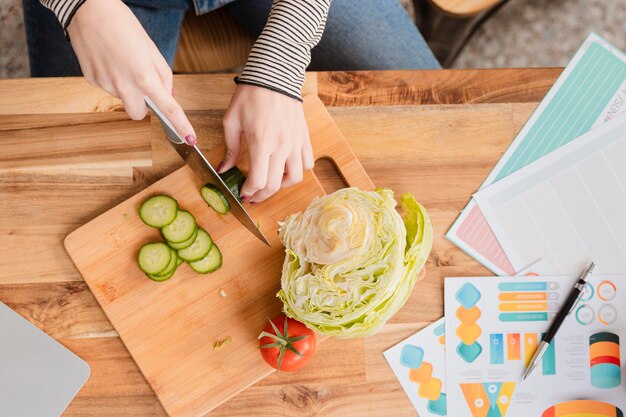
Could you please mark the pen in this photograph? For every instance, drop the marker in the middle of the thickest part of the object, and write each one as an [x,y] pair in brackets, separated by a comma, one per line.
[570,303]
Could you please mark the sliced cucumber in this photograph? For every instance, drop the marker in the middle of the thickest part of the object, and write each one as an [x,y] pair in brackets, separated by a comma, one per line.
[161,278]
[154,258]
[185,244]
[215,199]
[234,179]
[199,249]
[179,261]
[181,229]
[158,211]
[210,263]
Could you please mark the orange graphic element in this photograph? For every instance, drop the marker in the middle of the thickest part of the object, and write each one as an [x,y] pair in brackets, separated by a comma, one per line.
[513,347]
[582,408]
[604,349]
[421,374]
[523,306]
[468,316]
[468,333]
[430,390]
[478,399]
[429,387]
[530,345]
[442,339]
[523,296]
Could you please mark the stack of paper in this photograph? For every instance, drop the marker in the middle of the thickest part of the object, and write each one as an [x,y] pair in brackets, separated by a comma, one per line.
[554,202]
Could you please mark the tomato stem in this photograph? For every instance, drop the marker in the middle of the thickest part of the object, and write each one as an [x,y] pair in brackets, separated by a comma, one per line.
[283,341]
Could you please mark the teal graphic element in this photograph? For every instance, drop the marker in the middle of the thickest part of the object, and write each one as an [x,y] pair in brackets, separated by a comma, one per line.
[469,353]
[605,375]
[439,406]
[439,330]
[523,316]
[411,356]
[548,362]
[496,348]
[467,295]
[573,109]
[523,286]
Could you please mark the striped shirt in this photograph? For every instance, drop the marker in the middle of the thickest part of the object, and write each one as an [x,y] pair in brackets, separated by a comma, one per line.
[280,55]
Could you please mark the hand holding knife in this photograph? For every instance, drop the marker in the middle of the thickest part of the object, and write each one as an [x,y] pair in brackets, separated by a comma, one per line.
[570,303]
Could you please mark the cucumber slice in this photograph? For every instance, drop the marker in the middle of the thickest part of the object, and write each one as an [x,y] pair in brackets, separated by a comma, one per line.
[215,199]
[234,179]
[161,278]
[179,261]
[210,263]
[181,229]
[199,249]
[185,244]
[158,211]
[154,258]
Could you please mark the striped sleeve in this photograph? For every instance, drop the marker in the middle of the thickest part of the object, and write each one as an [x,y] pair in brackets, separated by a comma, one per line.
[282,52]
[63,9]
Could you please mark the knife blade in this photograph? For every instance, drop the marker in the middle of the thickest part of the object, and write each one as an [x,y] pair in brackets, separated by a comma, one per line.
[203,169]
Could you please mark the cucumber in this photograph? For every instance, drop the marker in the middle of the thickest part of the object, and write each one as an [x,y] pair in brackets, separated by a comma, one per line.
[154,258]
[178,261]
[169,271]
[215,199]
[181,229]
[158,211]
[161,278]
[210,263]
[234,179]
[185,244]
[199,249]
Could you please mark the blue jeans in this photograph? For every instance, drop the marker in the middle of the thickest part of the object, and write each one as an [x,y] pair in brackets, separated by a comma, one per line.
[359,35]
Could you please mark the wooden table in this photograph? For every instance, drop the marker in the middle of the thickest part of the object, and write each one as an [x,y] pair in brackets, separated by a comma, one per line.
[434,133]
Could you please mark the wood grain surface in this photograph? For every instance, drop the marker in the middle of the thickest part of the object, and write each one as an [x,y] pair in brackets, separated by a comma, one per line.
[170,327]
[440,147]
[464,8]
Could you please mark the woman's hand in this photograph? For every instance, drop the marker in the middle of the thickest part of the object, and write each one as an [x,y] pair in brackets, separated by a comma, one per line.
[116,54]
[278,140]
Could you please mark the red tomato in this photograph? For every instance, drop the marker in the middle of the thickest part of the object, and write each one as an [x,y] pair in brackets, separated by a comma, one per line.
[287,345]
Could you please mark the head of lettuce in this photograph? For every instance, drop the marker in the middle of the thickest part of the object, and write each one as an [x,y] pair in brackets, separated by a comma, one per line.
[351,260]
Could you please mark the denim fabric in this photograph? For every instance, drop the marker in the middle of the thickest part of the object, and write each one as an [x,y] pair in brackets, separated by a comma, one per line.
[51,55]
[359,35]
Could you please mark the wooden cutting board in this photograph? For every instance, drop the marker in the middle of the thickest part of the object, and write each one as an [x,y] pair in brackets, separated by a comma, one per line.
[170,327]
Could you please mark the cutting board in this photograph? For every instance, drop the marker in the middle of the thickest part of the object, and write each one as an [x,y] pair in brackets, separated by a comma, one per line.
[170,327]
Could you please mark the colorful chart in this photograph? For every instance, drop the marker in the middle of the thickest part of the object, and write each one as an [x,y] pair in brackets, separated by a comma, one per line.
[604,360]
[468,331]
[583,408]
[421,372]
[510,346]
[488,399]
[527,300]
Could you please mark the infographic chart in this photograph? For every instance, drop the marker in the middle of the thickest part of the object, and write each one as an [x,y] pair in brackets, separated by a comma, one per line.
[498,324]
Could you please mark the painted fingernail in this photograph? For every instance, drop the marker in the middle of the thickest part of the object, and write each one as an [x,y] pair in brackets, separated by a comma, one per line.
[245,197]
[173,92]
[191,140]
[220,167]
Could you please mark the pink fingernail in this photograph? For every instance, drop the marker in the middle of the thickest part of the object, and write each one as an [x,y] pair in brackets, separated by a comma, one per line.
[220,167]
[173,92]
[191,140]
[245,197]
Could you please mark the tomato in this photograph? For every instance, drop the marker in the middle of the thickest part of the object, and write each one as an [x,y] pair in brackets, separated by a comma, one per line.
[286,344]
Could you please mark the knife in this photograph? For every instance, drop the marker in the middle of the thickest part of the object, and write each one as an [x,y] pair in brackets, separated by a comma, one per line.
[203,169]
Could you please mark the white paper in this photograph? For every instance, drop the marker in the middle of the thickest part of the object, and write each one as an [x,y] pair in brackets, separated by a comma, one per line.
[494,325]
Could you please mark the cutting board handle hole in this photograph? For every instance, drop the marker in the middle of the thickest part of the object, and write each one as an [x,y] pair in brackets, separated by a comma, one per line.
[328,175]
